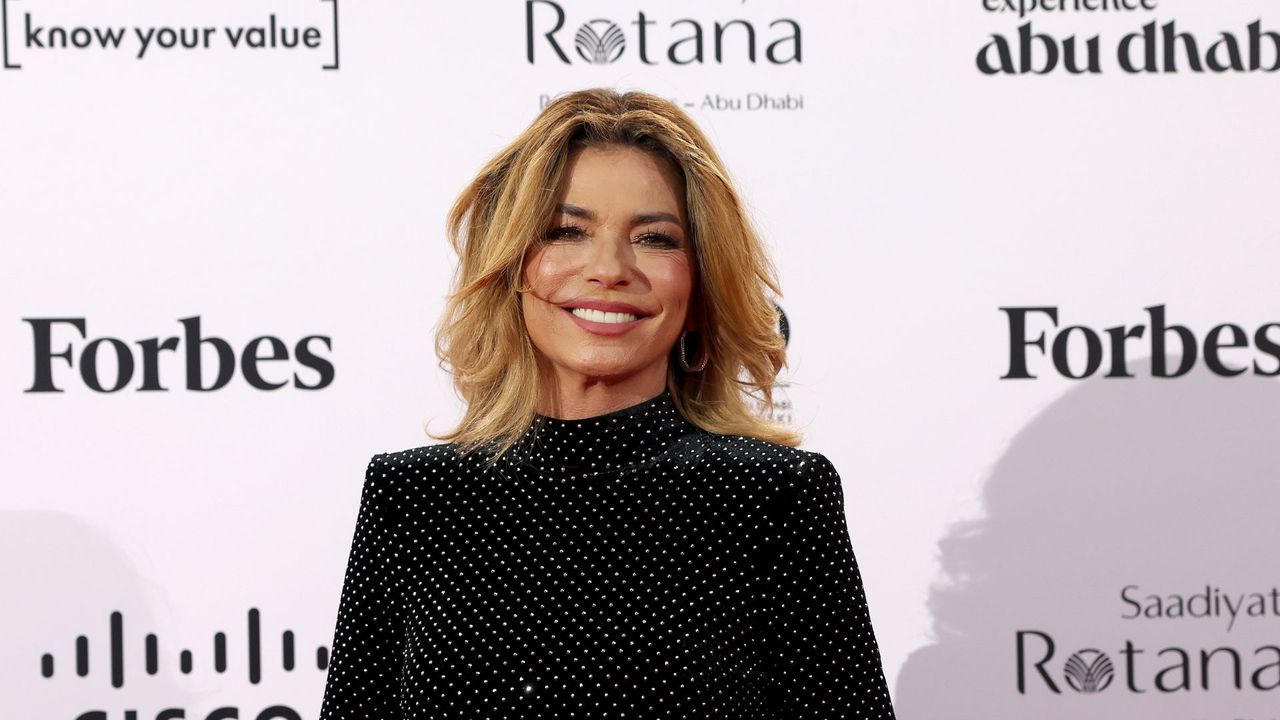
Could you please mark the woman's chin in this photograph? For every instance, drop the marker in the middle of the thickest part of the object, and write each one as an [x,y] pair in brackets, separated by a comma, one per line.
[615,370]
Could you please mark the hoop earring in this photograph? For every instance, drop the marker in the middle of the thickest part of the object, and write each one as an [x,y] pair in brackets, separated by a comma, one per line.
[681,356]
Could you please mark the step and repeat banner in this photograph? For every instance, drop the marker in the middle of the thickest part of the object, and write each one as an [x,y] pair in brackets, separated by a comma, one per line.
[1028,249]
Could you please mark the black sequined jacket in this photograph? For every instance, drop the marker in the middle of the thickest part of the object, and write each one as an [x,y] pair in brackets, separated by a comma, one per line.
[629,565]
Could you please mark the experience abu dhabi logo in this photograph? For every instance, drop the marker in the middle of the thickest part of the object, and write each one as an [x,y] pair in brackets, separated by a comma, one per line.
[32,30]
[1157,42]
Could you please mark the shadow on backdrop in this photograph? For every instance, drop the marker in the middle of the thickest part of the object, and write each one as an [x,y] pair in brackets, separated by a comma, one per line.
[1161,491]
[61,578]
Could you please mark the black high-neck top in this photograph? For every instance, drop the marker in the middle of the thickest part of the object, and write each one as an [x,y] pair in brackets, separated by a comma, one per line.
[628,565]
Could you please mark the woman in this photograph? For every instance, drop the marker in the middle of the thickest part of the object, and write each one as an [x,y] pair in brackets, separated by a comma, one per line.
[612,531]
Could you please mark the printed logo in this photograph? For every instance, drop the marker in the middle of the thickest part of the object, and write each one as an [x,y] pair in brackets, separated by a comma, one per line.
[1171,669]
[600,42]
[1155,47]
[53,29]
[650,39]
[1079,351]
[1089,671]
[258,651]
[109,364]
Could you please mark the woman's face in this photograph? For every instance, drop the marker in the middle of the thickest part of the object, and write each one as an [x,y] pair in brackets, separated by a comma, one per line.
[610,283]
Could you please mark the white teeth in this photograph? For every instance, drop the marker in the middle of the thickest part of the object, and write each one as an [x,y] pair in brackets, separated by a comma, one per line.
[603,317]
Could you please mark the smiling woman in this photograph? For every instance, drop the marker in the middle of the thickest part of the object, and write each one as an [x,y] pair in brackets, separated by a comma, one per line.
[621,199]
[612,531]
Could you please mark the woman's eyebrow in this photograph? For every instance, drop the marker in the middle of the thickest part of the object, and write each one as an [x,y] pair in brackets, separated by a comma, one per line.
[655,216]
[637,219]
[576,211]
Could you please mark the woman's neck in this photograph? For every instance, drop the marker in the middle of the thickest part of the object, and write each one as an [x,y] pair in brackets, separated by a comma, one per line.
[631,436]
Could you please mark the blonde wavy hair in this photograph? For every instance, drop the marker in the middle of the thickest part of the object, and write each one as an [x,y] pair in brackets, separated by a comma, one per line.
[482,340]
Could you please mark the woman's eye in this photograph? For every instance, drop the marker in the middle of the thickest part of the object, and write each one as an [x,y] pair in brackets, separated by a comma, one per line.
[565,232]
[657,239]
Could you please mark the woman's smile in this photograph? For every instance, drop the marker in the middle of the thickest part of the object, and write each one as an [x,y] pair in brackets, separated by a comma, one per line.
[603,317]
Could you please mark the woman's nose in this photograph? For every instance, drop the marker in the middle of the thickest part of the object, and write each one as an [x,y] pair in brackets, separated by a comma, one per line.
[609,260]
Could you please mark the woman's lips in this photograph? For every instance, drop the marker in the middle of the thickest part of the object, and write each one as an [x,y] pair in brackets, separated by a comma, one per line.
[600,322]
[604,306]
[602,316]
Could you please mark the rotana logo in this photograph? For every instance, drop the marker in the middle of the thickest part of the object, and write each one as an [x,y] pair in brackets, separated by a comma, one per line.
[600,42]
[1141,670]
[650,41]
[1089,671]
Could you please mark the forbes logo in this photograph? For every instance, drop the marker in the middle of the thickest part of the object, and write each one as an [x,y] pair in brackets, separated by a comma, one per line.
[1078,351]
[145,364]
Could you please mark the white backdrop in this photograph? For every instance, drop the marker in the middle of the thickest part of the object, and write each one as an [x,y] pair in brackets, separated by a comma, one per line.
[907,197]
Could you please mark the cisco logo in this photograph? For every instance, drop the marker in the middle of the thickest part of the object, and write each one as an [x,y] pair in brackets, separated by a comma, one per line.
[113,660]
[253,643]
